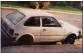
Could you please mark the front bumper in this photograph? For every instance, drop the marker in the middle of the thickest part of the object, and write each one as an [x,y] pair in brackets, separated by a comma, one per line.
[79,36]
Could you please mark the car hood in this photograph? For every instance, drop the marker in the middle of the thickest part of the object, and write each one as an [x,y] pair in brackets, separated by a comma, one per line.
[69,26]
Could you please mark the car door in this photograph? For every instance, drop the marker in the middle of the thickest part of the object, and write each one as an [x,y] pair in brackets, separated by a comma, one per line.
[51,29]
[32,26]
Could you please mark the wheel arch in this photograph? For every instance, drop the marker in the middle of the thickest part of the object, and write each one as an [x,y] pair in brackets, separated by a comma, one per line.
[31,35]
[66,40]
[71,35]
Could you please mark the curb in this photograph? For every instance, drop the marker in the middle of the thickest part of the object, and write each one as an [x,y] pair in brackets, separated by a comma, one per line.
[63,12]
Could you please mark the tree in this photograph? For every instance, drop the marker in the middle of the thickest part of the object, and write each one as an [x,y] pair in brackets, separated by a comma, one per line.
[34,5]
[44,4]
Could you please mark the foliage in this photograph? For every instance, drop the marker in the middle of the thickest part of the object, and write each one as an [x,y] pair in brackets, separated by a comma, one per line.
[73,6]
[11,4]
[61,3]
[65,9]
[34,5]
[44,4]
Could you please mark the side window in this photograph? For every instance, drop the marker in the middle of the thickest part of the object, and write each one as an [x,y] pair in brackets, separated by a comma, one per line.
[32,21]
[50,22]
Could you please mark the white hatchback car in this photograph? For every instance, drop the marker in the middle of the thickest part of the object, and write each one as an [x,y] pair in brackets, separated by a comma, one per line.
[28,26]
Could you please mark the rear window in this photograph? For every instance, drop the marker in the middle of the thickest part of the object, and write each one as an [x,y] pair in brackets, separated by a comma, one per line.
[15,17]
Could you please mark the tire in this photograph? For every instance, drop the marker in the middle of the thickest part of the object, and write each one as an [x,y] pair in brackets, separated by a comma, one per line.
[25,40]
[69,40]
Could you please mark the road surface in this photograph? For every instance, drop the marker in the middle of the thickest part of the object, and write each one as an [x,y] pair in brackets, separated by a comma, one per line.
[42,49]
[76,20]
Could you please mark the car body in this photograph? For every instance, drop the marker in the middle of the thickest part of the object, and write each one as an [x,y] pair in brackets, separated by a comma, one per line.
[38,26]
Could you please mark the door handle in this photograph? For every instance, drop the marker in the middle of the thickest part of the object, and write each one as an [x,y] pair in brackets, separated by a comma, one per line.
[44,29]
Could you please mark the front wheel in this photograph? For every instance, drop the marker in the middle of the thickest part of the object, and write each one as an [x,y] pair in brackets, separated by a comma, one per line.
[69,40]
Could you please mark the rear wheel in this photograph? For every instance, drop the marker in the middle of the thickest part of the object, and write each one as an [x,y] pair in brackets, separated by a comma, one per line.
[25,40]
[69,40]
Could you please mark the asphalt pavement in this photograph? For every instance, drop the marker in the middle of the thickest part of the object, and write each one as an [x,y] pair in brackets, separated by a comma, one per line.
[42,49]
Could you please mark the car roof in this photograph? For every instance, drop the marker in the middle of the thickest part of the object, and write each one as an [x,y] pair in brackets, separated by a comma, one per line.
[34,12]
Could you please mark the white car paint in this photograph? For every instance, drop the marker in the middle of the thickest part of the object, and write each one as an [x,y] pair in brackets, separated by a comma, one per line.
[51,33]
[70,28]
